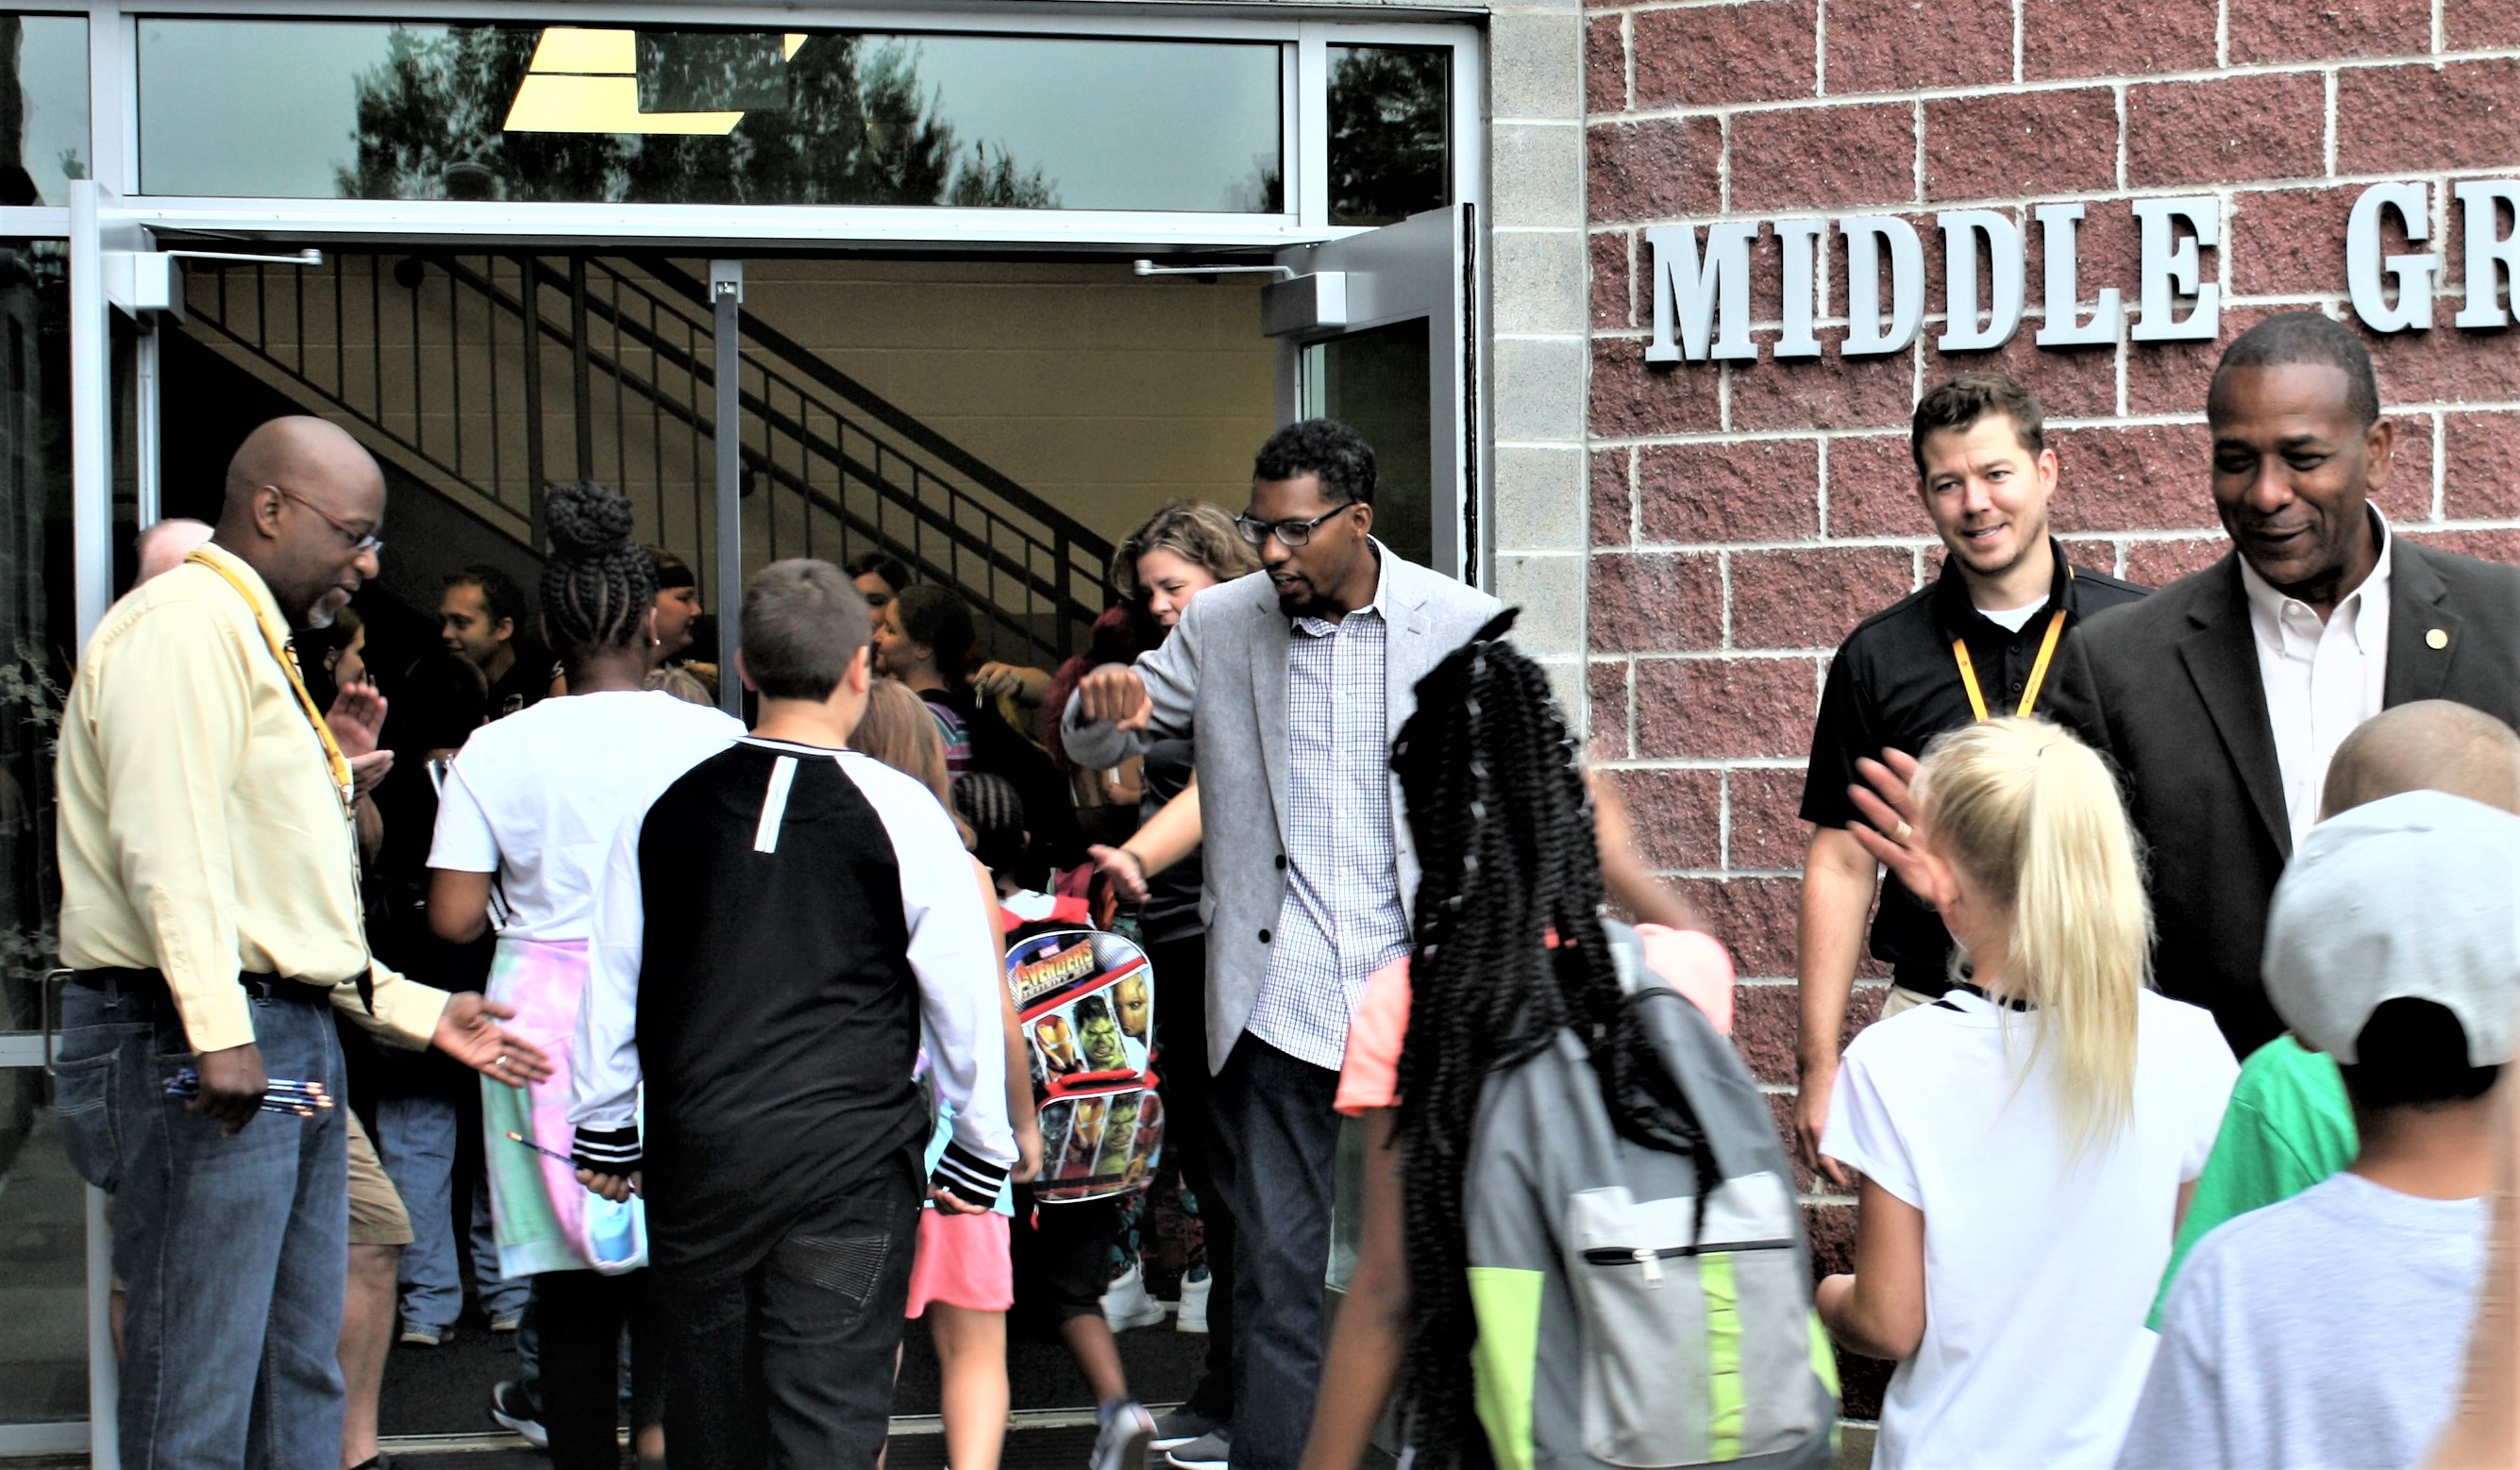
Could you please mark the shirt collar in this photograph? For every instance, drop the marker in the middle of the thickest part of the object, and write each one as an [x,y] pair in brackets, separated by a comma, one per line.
[259,593]
[1955,612]
[2362,607]
[1379,604]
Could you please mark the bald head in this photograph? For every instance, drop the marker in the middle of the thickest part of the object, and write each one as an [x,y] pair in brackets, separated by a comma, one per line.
[163,546]
[303,499]
[2429,745]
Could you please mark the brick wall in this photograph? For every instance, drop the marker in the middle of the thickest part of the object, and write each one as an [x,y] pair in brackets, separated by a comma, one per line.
[1745,515]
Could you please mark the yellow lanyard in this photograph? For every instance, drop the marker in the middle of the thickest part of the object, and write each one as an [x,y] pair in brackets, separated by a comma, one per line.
[2038,669]
[332,756]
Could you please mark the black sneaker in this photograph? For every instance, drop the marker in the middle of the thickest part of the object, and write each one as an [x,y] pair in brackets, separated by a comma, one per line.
[513,1410]
[1181,1426]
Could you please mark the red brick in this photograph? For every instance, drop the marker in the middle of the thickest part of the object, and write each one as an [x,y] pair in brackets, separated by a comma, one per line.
[1828,391]
[1764,490]
[2241,127]
[2332,30]
[2091,553]
[2171,378]
[2444,365]
[1656,602]
[1767,1028]
[1873,488]
[1903,45]
[1613,302]
[2008,144]
[2158,563]
[2479,465]
[1677,816]
[1861,1381]
[1661,168]
[2407,498]
[2489,545]
[2061,38]
[1630,398]
[1605,682]
[1605,66]
[1813,597]
[2465,114]
[1755,919]
[1612,502]
[1781,1113]
[1767,830]
[2473,24]
[2143,476]
[1724,708]
[1720,55]
[2072,382]
[2289,241]
[1824,156]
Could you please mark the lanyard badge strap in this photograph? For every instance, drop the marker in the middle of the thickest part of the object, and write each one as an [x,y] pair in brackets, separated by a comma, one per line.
[334,759]
[2038,669]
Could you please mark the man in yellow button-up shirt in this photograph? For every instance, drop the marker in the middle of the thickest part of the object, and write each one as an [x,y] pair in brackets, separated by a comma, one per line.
[210,914]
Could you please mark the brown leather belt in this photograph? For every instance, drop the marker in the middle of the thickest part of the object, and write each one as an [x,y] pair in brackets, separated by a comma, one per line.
[260,986]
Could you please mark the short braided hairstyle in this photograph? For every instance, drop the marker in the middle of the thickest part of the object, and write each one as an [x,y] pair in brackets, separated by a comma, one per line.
[1504,826]
[598,584]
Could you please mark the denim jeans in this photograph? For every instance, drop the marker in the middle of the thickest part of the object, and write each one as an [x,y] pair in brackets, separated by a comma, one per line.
[416,1141]
[233,1251]
[1279,1152]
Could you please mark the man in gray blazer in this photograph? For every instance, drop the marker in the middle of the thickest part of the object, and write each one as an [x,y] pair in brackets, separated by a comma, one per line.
[1291,683]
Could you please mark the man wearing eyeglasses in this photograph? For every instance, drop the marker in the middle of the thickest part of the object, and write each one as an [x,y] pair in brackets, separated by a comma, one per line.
[210,919]
[1289,683]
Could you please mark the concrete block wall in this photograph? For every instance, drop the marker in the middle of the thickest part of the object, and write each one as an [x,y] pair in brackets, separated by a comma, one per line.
[1743,516]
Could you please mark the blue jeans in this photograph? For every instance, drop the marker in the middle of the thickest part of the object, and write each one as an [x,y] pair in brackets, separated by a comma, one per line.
[233,1251]
[416,1141]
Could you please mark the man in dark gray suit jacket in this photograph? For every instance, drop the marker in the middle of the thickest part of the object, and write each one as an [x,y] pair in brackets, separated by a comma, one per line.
[2222,695]
[1291,683]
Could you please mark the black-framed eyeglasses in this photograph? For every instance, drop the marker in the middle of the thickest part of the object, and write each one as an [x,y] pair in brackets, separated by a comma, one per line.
[1290,533]
[360,541]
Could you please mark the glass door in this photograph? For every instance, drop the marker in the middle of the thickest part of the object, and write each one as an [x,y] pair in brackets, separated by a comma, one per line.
[1379,331]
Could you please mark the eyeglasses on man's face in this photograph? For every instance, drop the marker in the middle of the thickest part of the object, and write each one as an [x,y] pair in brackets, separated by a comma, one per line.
[1290,533]
[361,542]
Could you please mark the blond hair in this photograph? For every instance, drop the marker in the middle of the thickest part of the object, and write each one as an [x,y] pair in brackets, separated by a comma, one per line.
[2033,817]
[1198,532]
[898,731]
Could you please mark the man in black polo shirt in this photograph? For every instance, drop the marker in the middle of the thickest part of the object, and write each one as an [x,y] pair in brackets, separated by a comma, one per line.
[1979,641]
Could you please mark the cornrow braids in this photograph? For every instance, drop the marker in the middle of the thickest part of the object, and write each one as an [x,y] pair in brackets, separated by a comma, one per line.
[1503,827]
[598,584]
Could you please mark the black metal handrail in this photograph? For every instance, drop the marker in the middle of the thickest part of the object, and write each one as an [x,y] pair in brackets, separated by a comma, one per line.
[840,462]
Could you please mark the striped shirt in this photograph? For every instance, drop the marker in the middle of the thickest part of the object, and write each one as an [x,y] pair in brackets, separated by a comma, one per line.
[1342,918]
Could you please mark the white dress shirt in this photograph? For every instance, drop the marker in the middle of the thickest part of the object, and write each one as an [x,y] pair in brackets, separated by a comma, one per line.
[2321,679]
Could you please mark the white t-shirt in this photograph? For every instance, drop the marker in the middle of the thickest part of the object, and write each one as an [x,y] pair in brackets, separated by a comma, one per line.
[538,797]
[2039,1268]
[2014,619]
[2328,1331]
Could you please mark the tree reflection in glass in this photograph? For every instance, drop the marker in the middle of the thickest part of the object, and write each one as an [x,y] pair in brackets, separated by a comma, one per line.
[1390,132]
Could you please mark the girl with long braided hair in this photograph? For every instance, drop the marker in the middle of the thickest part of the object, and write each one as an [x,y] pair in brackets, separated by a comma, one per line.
[531,810]
[1511,948]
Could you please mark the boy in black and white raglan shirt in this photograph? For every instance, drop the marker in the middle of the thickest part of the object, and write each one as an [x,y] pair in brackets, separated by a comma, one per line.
[815,918]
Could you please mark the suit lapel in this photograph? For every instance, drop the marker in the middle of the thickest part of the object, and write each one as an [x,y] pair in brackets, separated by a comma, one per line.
[1270,632]
[2221,659]
[2424,633]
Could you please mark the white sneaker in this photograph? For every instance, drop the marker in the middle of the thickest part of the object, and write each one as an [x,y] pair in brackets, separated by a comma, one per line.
[1126,1304]
[1121,1445]
[1192,1316]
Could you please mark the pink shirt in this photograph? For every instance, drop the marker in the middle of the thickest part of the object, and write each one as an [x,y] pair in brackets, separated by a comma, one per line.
[1688,960]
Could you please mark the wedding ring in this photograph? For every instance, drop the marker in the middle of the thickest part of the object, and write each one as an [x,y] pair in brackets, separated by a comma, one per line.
[1902,837]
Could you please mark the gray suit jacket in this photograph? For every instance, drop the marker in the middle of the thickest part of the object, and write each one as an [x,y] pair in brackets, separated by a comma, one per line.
[1220,681]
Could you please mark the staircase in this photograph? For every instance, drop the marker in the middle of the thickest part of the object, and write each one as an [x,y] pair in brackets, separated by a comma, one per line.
[487,376]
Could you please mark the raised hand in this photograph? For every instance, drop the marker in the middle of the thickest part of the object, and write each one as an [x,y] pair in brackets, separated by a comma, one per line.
[1888,830]
[357,718]
[1115,693]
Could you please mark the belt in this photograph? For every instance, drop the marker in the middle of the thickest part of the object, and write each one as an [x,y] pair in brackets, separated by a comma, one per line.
[260,986]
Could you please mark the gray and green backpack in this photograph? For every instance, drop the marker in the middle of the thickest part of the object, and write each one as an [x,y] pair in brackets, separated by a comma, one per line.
[1626,1316]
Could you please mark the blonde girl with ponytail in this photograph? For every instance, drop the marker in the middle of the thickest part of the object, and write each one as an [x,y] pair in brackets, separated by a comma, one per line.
[2027,1142]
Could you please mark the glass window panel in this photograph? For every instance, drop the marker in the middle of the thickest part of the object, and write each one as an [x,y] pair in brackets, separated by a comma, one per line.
[37,617]
[374,109]
[43,106]
[1392,112]
[1379,383]
[43,1261]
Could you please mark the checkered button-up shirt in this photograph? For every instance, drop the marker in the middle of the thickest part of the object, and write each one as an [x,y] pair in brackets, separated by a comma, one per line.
[1342,918]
